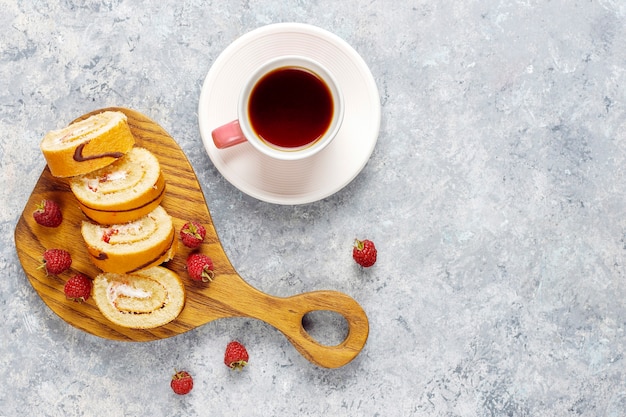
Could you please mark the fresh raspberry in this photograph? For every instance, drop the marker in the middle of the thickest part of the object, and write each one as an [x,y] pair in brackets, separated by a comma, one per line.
[364,252]
[78,288]
[192,234]
[200,267]
[181,383]
[236,355]
[56,261]
[48,214]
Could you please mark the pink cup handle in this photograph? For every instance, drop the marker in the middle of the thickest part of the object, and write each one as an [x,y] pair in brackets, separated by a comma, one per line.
[228,135]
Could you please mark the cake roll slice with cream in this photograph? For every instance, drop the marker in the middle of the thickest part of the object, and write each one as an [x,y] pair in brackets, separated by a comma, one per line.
[123,191]
[133,246]
[140,300]
[87,145]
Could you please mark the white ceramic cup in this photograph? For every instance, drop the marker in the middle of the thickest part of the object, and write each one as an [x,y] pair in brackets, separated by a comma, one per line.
[309,138]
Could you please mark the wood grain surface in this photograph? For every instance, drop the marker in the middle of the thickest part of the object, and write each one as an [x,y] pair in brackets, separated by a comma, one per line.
[228,295]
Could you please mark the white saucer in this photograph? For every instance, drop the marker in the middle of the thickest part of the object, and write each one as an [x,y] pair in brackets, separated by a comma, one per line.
[291,182]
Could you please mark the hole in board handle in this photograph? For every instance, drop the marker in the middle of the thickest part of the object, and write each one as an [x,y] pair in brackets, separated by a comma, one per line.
[328,328]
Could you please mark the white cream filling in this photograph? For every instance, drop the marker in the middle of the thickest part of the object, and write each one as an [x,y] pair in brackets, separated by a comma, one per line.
[116,289]
[93,183]
[133,228]
[75,132]
[116,175]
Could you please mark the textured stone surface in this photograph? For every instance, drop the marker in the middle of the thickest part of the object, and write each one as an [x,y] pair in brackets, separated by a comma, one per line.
[496,197]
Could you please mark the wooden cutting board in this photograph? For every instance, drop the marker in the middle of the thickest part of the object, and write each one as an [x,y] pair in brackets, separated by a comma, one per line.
[228,295]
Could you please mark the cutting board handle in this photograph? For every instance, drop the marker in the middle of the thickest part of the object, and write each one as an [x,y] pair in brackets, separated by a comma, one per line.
[323,355]
[286,314]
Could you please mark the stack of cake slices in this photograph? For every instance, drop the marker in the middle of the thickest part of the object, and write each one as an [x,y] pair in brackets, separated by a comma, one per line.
[119,187]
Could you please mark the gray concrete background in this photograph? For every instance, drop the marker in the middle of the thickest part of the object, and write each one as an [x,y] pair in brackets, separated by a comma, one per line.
[495,196]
